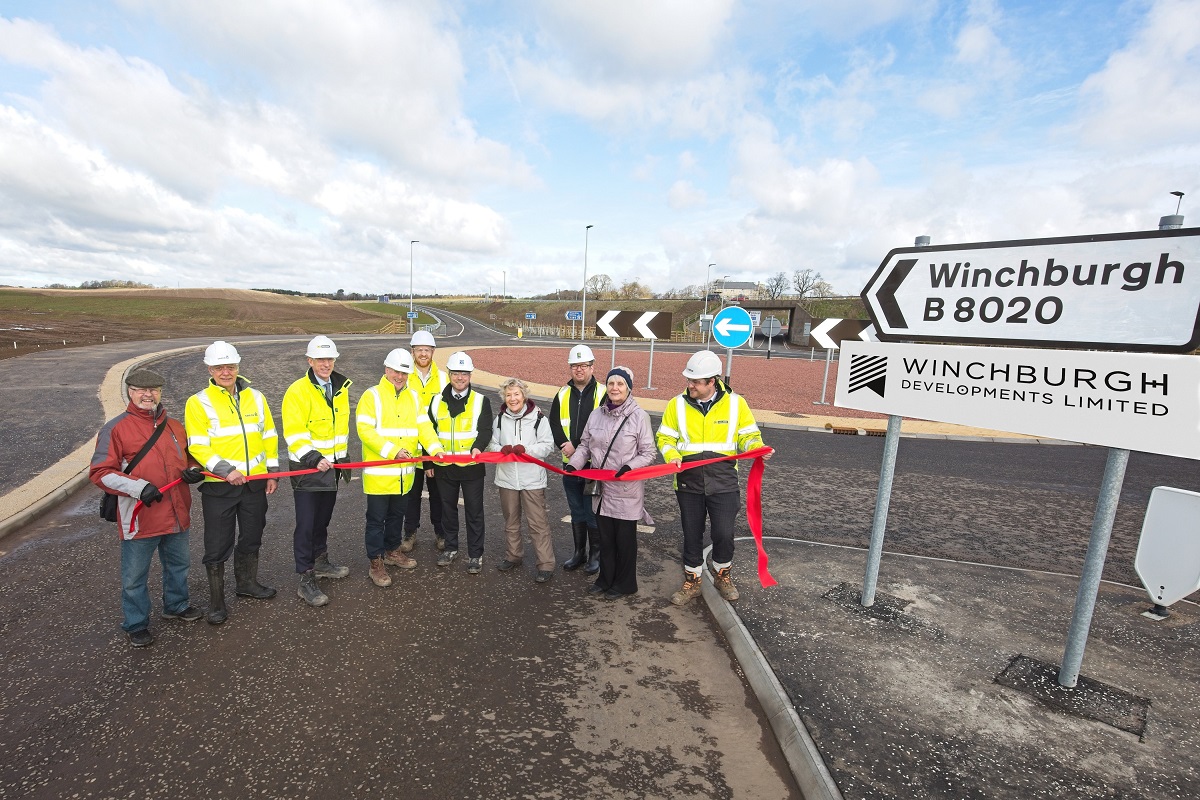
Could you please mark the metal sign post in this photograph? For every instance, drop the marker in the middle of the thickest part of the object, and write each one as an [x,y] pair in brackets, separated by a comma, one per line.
[732,328]
[650,372]
[824,383]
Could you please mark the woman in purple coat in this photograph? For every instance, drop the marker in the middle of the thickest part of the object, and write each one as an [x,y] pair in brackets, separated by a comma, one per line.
[617,436]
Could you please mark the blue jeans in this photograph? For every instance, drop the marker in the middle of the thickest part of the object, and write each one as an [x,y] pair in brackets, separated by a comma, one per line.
[136,555]
[580,504]
[385,523]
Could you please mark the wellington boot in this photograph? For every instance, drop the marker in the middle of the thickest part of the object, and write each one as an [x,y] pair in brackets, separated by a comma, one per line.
[593,564]
[217,613]
[579,533]
[245,572]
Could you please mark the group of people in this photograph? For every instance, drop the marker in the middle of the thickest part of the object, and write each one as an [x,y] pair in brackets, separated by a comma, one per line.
[228,444]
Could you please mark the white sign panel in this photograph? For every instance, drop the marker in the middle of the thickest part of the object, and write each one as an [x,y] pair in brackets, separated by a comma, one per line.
[1134,401]
[1133,291]
[1168,554]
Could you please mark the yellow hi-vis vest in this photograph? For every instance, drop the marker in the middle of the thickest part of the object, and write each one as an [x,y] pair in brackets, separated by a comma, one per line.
[310,424]
[728,428]
[388,421]
[456,435]
[564,408]
[237,429]
[427,390]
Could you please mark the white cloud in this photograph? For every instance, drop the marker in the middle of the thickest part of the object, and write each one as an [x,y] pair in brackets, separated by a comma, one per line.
[683,195]
[1147,94]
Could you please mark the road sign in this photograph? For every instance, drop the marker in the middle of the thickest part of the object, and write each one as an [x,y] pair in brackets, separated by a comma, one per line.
[530,315]
[412,314]
[1168,554]
[1132,401]
[732,327]
[1128,291]
[829,333]
[771,326]
[755,316]
[574,316]
[634,324]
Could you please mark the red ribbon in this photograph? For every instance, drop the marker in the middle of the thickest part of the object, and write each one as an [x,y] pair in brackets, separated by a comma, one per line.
[753,485]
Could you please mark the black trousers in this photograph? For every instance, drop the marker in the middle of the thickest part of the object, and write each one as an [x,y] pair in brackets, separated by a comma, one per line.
[472,495]
[618,554]
[412,514]
[385,523]
[229,509]
[311,538]
[721,510]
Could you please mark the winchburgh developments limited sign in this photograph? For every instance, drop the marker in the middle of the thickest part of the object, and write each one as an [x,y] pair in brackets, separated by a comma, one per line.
[1134,401]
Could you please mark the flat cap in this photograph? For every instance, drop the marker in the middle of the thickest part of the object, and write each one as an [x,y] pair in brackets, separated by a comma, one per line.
[144,379]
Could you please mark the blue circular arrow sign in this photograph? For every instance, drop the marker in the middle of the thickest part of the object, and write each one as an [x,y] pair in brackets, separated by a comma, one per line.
[732,326]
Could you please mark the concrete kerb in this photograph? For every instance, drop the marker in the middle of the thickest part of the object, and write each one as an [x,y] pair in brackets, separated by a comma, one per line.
[803,758]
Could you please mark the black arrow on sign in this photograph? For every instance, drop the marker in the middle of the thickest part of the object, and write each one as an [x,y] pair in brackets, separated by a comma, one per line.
[887,293]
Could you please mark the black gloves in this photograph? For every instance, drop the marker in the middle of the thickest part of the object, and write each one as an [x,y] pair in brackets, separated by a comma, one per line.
[193,475]
[623,470]
[151,494]
[568,468]
[311,459]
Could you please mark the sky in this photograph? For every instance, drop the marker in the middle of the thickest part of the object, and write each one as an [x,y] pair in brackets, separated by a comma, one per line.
[304,144]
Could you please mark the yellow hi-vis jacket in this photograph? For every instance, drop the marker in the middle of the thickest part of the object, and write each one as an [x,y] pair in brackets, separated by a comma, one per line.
[388,421]
[458,433]
[427,390]
[691,435]
[231,431]
[311,423]
[563,401]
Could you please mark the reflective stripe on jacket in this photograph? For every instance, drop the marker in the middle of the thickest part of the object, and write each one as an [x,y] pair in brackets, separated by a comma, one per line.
[688,433]
[570,429]
[231,431]
[388,421]
[310,422]
[459,433]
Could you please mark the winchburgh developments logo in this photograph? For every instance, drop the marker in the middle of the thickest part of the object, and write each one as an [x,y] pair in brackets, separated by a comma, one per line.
[868,372]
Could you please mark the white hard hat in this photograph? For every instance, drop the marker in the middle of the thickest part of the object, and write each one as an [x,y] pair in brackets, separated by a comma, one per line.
[221,353]
[460,362]
[422,339]
[399,360]
[580,354]
[704,364]
[322,347]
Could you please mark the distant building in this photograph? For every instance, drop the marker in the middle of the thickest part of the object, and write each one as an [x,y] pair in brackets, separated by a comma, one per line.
[383,298]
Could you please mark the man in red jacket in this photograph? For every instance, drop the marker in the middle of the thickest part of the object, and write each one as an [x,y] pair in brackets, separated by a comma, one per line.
[163,522]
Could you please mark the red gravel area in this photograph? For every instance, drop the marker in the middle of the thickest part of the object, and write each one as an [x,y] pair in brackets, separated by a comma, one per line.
[785,385]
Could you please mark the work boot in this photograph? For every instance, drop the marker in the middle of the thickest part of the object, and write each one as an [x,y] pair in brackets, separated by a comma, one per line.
[593,564]
[409,541]
[245,572]
[217,613]
[441,542]
[397,558]
[723,579]
[309,592]
[324,568]
[579,533]
[379,574]
[690,589]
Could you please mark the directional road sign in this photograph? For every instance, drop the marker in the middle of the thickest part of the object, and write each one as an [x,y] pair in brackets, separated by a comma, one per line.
[574,316]
[1126,291]
[771,326]
[732,327]
[412,315]
[530,315]
[1168,553]
[634,324]
[755,317]
[829,333]
[1132,401]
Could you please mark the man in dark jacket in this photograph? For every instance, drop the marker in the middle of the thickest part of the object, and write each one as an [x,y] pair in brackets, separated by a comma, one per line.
[461,418]
[162,523]
[569,413]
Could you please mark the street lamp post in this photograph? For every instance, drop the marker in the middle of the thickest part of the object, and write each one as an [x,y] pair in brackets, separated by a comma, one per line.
[410,274]
[503,284]
[707,285]
[585,249]
[723,290]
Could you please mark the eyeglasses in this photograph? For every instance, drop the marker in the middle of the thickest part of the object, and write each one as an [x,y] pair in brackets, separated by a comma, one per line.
[144,390]
[225,368]
[583,366]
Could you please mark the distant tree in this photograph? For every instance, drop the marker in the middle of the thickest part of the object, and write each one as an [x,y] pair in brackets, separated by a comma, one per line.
[600,287]
[821,289]
[633,290]
[804,280]
[340,295]
[777,284]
